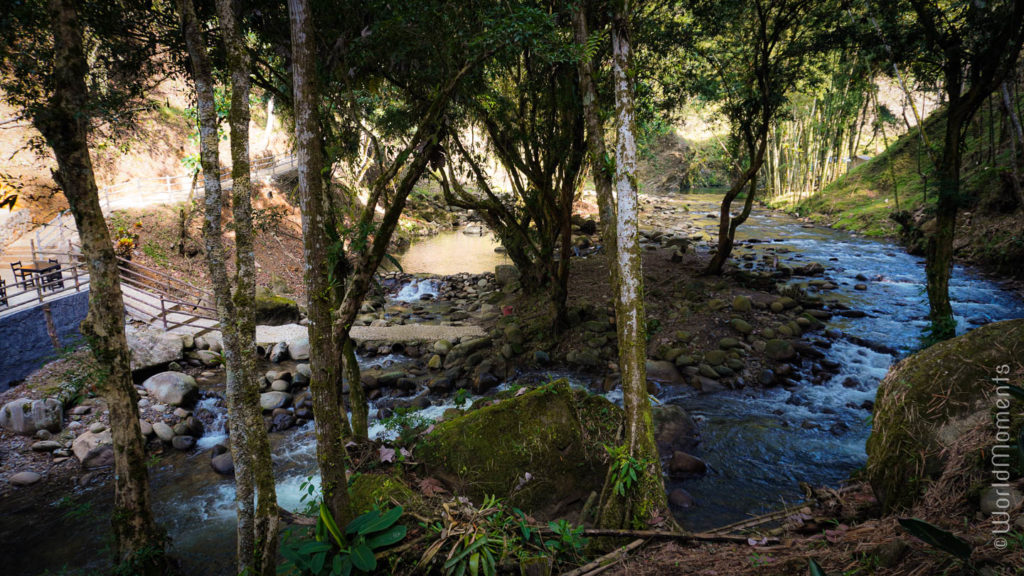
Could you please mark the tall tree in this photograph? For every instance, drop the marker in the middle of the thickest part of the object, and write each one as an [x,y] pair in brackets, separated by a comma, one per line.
[250,448]
[973,46]
[752,54]
[644,503]
[331,425]
[46,73]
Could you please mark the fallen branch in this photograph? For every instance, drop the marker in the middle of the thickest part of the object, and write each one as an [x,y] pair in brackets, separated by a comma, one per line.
[606,561]
[289,517]
[667,535]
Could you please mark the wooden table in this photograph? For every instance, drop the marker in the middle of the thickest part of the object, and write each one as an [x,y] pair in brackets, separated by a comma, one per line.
[42,269]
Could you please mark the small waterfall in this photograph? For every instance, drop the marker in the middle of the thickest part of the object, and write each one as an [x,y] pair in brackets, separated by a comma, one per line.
[417,290]
[217,429]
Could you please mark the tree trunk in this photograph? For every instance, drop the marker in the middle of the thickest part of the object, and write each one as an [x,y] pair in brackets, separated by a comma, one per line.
[644,500]
[938,265]
[595,144]
[331,425]
[250,448]
[356,394]
[1016,140]
[247,427]
[138,542]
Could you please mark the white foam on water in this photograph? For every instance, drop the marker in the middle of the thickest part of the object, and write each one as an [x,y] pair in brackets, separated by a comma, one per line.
[216,432]
[415,290]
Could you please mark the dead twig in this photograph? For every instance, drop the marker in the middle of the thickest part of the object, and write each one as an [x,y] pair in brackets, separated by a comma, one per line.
[606,561]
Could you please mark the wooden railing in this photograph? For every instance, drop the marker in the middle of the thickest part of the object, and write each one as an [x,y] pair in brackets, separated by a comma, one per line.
[69,276]
[150,295]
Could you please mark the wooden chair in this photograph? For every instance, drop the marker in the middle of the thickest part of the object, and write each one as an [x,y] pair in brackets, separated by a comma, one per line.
[21,276]
[3,293]
[54,279]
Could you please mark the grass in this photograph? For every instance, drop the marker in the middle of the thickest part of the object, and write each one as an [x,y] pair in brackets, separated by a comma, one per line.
[863,199]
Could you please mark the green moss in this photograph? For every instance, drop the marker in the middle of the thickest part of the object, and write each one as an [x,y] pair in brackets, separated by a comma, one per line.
[554,433]
[929,400]
[368,490]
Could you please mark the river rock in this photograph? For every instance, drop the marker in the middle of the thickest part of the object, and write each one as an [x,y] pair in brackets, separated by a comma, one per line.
[505,274]
[46,446]
[683,465]
[442,347]
[183,443]
[663,372]
[464,349]
[674,429]
[680,498]
[271,400]
[26,416]
[435,362]
[223,464]
[163,431]
[272,310]
[715,357]
[25,478]
[910,424]
[298,348]
[151,347]
[280,385]
[490,450]
[741,326]
[279,352]
[173,388]
[302,374]
[94,450]
[779,350]
[809,269]
[146,427]
[741,304]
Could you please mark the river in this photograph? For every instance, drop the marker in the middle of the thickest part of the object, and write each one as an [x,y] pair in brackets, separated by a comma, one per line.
[758,443]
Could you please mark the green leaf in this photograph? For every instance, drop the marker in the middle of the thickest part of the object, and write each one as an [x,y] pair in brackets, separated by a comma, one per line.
[383,522]
[384,539]
[310,548]
[331,525]
[469,550]
[937,537]
[357,525]
[336,565]
[815,569]
[474,564]
[318,562]
[346,566]
[363,558]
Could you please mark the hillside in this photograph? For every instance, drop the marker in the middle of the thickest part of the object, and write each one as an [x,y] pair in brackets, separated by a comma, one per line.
[990,226]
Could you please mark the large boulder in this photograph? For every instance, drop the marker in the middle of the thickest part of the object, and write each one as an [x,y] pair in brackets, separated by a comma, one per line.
[175,388]
[464,349]
[543,448]
[152,347]
[25,416]
[663,372]
[298,348]
[943,403]
[274,310]
[94,450]
[674,429]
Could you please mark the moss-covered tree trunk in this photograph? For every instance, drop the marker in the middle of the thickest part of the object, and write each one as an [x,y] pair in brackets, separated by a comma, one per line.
[600,167]
[938,265]
[644,499]
[331,425]
[64,123]
[248,428]
[255,494]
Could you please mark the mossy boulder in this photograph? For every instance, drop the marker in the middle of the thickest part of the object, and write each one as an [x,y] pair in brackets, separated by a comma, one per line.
[928,403]
[273,310]
[554,433]
[367,490]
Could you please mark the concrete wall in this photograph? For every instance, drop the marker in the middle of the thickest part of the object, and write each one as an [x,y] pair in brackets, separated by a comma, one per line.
[24,344]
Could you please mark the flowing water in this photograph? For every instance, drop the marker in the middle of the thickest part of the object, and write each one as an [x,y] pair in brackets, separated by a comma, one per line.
[758,444]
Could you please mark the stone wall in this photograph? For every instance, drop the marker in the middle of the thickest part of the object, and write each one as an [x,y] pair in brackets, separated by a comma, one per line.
[13,225]
[26,345]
